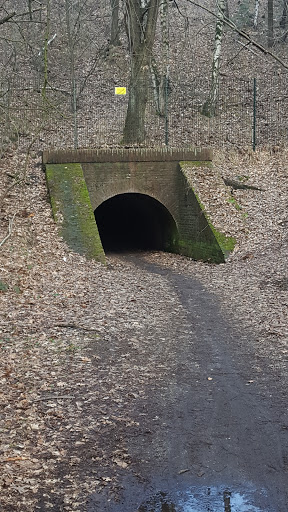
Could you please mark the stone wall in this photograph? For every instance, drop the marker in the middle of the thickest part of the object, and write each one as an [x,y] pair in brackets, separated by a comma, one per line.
[72,209]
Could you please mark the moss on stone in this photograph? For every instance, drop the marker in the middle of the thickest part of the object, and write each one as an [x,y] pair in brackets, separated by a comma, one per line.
[72,209]
[225,243]
[203,251]
[205,163]
[3,286]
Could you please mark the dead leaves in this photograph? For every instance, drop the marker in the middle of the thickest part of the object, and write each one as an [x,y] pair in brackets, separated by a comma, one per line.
[75,342]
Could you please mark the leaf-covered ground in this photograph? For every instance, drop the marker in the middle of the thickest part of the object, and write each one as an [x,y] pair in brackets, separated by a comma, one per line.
[76,336]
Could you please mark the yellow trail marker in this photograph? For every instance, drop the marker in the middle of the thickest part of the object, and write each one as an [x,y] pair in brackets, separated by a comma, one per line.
[120,90]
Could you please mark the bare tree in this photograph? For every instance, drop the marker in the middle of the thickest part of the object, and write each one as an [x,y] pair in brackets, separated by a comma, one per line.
[256,14]
[270,24]
[209,106]
[227,8]
[73,92]
[160,75]
[243,34]
[284,18]
[142,19]
[114,34]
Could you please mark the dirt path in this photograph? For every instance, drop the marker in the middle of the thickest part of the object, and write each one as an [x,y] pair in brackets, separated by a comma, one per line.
[125,389]
[210,438]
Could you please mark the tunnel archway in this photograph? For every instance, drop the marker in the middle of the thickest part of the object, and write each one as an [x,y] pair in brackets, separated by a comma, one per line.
[133,221]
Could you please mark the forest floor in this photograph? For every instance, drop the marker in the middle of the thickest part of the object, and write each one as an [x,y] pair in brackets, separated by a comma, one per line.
[121,373]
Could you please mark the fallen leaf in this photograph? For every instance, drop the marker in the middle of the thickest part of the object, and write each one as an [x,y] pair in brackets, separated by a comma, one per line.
[120,463]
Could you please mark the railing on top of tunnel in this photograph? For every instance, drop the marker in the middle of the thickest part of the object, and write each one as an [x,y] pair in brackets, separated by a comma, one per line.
[247,113]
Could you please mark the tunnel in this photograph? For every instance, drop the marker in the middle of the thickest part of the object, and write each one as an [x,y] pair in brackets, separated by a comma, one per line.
[131,222]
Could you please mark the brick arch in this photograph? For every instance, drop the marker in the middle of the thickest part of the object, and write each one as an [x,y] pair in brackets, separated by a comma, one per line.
[127,186]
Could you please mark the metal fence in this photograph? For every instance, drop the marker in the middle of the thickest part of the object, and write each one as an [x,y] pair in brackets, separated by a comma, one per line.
[248,112]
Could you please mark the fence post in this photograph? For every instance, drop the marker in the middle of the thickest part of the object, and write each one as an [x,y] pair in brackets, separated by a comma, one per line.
[166,110]
[75,121]
[254,113]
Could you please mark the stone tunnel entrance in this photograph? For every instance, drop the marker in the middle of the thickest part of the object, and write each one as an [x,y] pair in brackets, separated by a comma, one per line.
[134,221]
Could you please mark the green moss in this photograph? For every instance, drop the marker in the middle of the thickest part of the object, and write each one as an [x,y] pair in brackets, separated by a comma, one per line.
[225,243]
[199,250]
[233,201]
[204,163]
[72,209]
[3,286]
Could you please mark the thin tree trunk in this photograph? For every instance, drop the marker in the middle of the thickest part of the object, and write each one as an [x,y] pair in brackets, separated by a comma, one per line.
[114,34]
[209,107]
[30,9]
[160,75]
[270,24]
[164,76]
[72,71]
[155,83]
[45,50]
[256,14]
[283,21]
[226,9]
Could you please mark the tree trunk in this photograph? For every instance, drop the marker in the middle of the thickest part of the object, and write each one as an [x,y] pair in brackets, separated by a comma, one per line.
[134,130]
[256,14]
[165,57]
[142,19]
[114,35]
[226,9]
[270,24]
[160,75]
[283,21]
[30,9]
[72,71]
[209,107]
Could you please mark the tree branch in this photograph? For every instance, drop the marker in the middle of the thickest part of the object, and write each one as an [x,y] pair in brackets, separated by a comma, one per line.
[243,34]
[10,229]
[2,197]
[7,18]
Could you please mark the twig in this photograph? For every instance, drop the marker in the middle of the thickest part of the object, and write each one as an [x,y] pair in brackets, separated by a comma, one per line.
[14,459]
[10,229]
[246,47]
[8,190]
[7,18]
[58,397]
[73,326]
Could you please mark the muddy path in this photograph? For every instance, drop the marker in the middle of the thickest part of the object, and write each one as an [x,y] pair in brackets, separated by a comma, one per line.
[211,438]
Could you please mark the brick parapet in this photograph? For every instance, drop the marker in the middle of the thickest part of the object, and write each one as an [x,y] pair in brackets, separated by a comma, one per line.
[126,155]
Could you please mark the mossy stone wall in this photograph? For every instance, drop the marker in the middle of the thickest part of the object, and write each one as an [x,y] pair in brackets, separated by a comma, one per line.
[207,242]
[72,209]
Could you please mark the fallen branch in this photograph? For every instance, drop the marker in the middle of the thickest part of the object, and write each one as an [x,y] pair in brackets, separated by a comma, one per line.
[62,397]
[7,18]
[10,229]
[14,459]
[73,326]
[16,182]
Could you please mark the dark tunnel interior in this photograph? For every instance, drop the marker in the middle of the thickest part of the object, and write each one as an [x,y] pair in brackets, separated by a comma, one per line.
[135,222]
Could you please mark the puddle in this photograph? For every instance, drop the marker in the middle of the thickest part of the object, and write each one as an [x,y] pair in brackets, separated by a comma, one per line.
[206,499]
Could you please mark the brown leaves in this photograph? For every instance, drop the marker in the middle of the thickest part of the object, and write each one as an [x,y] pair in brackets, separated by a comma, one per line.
[80,344]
